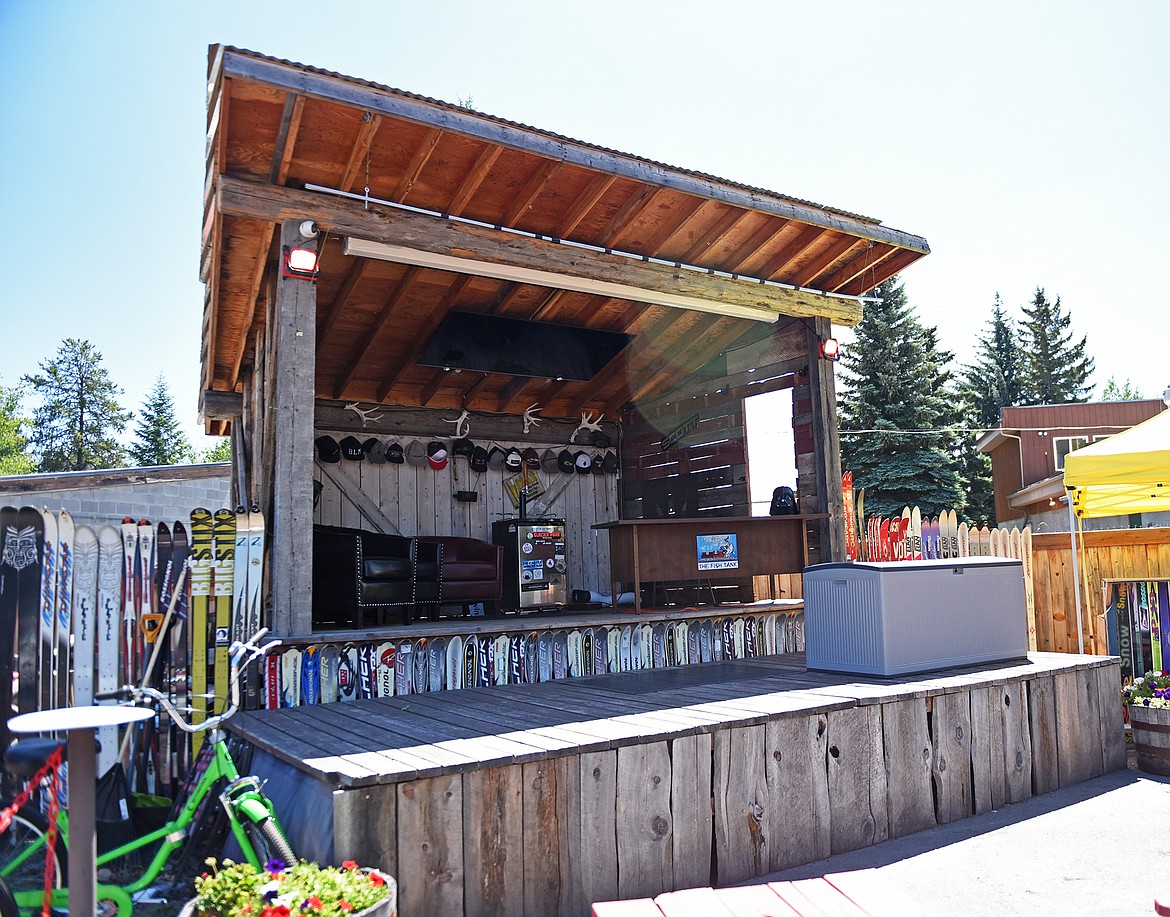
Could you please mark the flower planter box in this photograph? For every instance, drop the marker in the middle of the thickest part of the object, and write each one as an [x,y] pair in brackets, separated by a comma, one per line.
[1151,738]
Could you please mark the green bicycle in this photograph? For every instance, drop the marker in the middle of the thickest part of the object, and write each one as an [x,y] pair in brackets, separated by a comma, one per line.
[24,852]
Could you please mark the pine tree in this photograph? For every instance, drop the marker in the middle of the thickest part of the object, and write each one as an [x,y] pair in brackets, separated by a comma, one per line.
[14,458]
[220,452]
[994,380]
[74,426]
[1056,369]
[895,389]
[1126,391]
[159,439]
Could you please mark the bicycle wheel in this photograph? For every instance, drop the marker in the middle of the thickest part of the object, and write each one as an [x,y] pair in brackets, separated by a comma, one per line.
[268,840]
[27,829]
[8,906]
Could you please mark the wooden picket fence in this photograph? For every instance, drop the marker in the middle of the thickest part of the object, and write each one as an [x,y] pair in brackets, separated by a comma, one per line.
[1112,554]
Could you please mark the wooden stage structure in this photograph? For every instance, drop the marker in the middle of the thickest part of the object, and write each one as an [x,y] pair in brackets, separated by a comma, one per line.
[540,799]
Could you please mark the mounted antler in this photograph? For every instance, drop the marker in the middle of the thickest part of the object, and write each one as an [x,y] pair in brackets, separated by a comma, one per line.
[587,423]
[530,418]
[366,415]
[462,426]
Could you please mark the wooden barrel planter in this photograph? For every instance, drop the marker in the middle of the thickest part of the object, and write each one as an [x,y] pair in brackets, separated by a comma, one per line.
[1151,738]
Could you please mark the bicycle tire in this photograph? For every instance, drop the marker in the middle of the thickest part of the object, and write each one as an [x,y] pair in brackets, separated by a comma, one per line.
[8,906]
[25,830]
[268,840]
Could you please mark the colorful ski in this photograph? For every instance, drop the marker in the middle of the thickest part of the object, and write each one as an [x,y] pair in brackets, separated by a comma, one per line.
[48,619]
[223,533]
[252,619]
[386,654]
[311,675]
[437,663]
[544,659]
[330,665]
[200,577]
[290,677]
[129,611]
[64,626]
[21,531]
[470,677]
[421,678]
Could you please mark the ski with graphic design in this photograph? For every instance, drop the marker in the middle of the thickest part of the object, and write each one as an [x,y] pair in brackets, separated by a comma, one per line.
[670,645]
[252,618]
[223,534]
[470,677]
[963,541]
[613,650]
[516,659]
[64,612]
[200,578]
[146,598]
[272,681]
[8,613]
[600,650]
[530,665]
[627,648]
[367,671]
[386,653]
[437,663]
[454,663]
[658,646]
[347,671]
[330,666]
[851,550]
[108,634]
[290,677]
[129,611]
[310,675]
[587,651]
[574,643]
[915,534]
[500,649]
[240,577]
[544,657]
[84,615]
[176,673]
[48,613]
[21,531]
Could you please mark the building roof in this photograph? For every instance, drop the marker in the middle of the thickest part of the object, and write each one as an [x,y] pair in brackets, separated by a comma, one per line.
[548,228]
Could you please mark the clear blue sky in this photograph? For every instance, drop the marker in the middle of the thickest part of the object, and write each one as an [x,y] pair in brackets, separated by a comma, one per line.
[1027,141]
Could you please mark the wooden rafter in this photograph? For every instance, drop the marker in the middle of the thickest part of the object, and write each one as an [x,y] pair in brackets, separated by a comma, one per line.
[426,329]
[474,178]
[753,244]
[417,163]
[431,387]
[857,267]
[713,236]
[360,151]
[678,218]
[818,265]
[511,388]
[286,138]
[633,208]
[266,235]
[472,390]
[644,377]
[380,323]
[471,248]
[793,249]
[585,201]
[880,270]
[540,179]
[657,327]
[327,322]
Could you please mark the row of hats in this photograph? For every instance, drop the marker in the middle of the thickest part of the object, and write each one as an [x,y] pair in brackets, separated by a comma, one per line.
[436,455]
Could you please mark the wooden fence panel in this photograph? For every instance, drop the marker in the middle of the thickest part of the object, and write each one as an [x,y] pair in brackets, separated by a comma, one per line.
[1108,554]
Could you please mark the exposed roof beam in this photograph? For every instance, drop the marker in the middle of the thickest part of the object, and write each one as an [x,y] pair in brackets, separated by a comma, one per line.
[474,178]
[754,243]
[838,247]
[793,249]
[881,269]
[634,206]
[352,278]
[380,323]
[586,200]
[857,266]
[530,192]
[417,164]
[286,138]
[409,237]
[253,298]
[713,236]
[389,102]
[675,221]
[359,153]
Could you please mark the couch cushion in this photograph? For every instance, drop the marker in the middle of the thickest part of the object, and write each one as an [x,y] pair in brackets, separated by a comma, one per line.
[385,568]
[468,570]
[427,571]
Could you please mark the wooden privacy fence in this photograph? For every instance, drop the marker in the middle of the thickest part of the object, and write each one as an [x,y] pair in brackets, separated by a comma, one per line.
[1125,554]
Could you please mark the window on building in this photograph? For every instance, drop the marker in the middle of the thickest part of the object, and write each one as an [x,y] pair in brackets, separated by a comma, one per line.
[1063,445]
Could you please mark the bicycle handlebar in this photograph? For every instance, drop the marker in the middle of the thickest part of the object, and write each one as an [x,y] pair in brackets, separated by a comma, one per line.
[240,654]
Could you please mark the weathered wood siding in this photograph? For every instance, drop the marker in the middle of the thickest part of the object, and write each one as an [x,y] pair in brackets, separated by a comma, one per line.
[1122,554]
[420,501]
[738,789]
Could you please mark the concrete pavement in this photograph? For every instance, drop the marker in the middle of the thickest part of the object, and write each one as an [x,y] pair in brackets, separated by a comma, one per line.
[1098,848]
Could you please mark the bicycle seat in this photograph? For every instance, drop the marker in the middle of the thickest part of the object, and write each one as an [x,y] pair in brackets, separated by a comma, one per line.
[26,757]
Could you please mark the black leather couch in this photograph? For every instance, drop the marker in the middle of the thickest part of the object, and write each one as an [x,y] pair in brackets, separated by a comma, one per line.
[359,575]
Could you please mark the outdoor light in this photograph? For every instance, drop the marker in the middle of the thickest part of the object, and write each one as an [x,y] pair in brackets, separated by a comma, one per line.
[301,263]
[1166,396]
[829,348]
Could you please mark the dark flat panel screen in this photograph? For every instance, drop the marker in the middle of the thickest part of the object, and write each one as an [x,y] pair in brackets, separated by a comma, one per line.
[515,347]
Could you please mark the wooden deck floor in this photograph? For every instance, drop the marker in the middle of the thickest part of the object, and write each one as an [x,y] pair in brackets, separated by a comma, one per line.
[391,740]
[540,799]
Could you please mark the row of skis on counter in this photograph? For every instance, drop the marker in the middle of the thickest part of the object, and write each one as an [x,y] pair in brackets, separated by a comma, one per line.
[328,673]
[910,536]
[86,610]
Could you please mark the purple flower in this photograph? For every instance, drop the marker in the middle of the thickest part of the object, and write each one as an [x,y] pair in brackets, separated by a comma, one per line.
[275,864]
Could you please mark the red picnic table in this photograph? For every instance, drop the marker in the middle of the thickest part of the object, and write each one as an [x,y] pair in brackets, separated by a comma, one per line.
[863,893]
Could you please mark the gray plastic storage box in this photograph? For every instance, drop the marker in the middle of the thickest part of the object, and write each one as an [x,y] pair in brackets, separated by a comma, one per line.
[914,616]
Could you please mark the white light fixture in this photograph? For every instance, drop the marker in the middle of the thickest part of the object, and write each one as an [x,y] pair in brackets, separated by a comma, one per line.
[1166,396]
[398,254]
[300,262]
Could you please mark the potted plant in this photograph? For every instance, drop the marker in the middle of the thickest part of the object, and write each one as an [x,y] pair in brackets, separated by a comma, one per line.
[302,890]
[1147,699]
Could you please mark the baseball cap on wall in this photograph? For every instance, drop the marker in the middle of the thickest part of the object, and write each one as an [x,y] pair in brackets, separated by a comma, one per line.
[395,454]
[583,463]
[513,460]
[327,449]
[496,458]
[416,453]
[479,459]
[548,462]
[375,451]
[437,455]
[352,449]
[565,461]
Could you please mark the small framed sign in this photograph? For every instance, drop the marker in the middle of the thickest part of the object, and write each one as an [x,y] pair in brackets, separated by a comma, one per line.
[717,552]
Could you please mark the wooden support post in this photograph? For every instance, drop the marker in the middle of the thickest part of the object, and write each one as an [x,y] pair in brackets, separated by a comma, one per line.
[291,418]
[826,445]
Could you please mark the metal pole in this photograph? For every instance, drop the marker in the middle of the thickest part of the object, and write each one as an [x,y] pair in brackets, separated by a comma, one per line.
[1072,534]
[82,822]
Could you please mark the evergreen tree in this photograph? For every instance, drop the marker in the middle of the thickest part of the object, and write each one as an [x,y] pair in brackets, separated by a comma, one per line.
[159,439]
[74,426]
[1126,391]
[14,459]
[220,452]
[1056,368]
[894,401]
[995,379]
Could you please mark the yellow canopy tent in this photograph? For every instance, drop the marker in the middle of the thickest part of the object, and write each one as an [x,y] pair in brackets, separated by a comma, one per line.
[1126,473]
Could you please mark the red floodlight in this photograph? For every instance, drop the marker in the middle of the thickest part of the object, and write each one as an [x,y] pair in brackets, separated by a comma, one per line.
[829,349]
[300,263]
